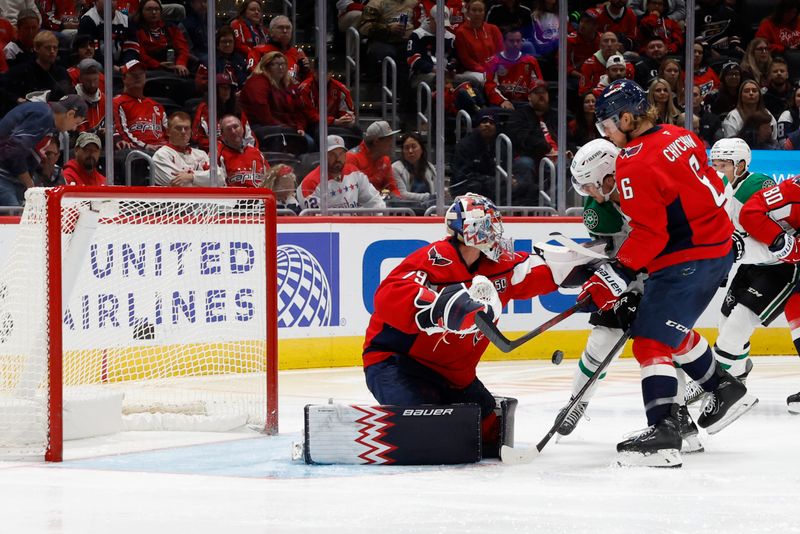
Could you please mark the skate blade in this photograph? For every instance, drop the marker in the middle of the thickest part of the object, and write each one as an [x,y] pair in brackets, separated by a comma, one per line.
[692,445]
[794,409]
[515,456]
[661,458]
[742,406]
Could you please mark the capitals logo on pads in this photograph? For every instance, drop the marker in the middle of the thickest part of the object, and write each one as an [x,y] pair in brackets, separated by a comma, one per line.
[631,151]
[437,259]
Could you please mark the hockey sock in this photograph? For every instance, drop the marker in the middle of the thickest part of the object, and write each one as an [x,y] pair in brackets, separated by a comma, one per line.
[735,364]
[659,378]
[601,340]
[695,358]
[733,343]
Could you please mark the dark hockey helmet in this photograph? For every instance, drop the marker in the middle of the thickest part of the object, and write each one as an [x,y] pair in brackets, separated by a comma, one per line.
[617,98]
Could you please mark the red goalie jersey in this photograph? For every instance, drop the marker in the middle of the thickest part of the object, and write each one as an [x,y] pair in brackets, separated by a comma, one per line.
[399,324]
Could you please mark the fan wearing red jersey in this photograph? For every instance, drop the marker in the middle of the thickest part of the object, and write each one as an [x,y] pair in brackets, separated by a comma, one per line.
[422,345]
[681,235]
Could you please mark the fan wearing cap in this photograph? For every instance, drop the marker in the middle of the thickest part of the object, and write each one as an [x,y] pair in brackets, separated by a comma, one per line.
[240,163]
[139,122]
[82,169]
[177,164]
[511,73]
[596,66]
[372,156]
[227,104]
[616,69]
[42,74]
[20,50]
[90,88]
[24,132]
[348,187]
[474,161]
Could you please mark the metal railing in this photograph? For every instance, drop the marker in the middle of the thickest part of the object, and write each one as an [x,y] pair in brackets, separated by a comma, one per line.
[423,117]
[406,212]
[574,212]
[352,63]
[550,196]
[63,140]
[132,156]
[389,94]
[499,172]
[290,10]
[467,119]
[528,211]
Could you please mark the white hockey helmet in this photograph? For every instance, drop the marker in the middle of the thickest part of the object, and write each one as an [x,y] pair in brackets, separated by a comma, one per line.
[732,149]
[476,222]
[594,161]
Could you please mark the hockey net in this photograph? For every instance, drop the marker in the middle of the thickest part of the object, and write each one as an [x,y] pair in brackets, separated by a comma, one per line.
[137,308]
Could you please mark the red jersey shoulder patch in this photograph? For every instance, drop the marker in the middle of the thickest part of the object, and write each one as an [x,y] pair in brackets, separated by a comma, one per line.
[629,152]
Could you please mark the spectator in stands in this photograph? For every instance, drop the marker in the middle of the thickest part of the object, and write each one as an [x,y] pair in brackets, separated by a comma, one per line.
[92,92]
[48,173]
[42,74]
[240,163]
[348,187]
[545,27]
[476,44]
[511,73]
[60,17]
[782,28]
[584,127]
[615,16]
[616,69]
[789,120]
[177,164]
[387,26]
[456,8]
[656,24]
[91,23]
[372,157]
[474,158]
[649,61]
[421,50]
[341,112]
[757,131]
[282,180]
[7,33]
[534,132]
[12,9]
[710,126]
[673,9]
[349,13]
[719,25]
[270,97]
[722,101]
[159,41]
[139,122]
[750,100]
[581,45]
[414,174]
[82,48]
[227,104]
[659,96]
[25,131]
[670,71]
[280,40]
[704,77]
[82,169]
[228,58]
[510,14]
[195,28]
[757,60]
[20,50]
[594,67]
[778,88]
[248,27]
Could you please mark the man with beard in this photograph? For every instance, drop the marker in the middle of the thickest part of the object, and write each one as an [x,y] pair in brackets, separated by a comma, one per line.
[82,169]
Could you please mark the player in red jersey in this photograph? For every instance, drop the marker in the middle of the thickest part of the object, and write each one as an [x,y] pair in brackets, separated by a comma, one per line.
[681,235]
[422,345]
[772,216]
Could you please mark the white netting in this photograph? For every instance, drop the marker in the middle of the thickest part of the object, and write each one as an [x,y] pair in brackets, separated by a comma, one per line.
[165,301]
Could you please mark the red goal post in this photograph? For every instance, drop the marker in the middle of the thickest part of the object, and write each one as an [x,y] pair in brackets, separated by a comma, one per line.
[158,300]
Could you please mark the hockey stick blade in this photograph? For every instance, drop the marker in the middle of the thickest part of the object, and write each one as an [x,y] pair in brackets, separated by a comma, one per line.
[516,456]
[573,245]
[493,334]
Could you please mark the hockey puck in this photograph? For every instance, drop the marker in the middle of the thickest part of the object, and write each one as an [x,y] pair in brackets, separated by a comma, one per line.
[558,357]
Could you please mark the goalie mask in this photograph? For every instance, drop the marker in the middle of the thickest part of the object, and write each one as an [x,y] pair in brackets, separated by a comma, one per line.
[475,221]
[732,149]
[593,162]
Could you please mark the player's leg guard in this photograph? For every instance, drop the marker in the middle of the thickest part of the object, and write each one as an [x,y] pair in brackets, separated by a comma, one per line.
[732,349]
[659,378]
[694,357]
[498,429]
[792,312]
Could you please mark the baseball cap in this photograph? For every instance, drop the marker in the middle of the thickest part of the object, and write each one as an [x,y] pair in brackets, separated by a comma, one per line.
[537,84]
[223,78]
[89,65]
[335,141]
[130,65]
[378,130]
[616,59]
[88,138]
[729,66]
[73,102]
[487,115]
[590,13]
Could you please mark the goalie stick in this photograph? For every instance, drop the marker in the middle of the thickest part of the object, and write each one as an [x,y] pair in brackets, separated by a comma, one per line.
[511,455]
[573,245]
[493,334]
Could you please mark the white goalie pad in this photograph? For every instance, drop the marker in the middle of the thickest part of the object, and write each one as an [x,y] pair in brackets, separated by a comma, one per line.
[571,266]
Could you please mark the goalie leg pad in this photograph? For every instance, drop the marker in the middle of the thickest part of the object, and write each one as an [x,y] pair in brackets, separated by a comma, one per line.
[504,410]
[395,435]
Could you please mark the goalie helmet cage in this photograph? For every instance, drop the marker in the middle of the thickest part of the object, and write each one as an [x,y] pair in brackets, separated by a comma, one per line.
[164,333]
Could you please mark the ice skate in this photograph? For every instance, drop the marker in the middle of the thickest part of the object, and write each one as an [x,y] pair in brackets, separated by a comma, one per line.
[793,402]
[571,421]
[689,432]
[725,405]
[656,446]
[694,392]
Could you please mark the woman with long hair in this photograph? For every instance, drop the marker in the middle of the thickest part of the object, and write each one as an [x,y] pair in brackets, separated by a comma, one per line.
[228,59]
[750,101]
[720,102]
[227,104]
[789,121]
[414,174]
[757,131]
[659,96]
[781,29]
[757,61]
[156,38]
[704,76]
[249,27]
[583,126]
[670,70]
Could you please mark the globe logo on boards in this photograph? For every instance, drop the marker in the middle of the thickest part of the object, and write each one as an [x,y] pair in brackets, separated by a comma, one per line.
[304,292]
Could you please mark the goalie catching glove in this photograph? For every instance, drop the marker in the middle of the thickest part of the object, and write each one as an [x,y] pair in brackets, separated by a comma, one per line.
[605,286]
[454,308]
[786,248]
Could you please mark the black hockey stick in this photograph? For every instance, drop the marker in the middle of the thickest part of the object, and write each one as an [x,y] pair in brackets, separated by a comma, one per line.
[493,334]
[511,455]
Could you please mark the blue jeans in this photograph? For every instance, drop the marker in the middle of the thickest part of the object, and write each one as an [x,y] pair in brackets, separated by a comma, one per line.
[12,193]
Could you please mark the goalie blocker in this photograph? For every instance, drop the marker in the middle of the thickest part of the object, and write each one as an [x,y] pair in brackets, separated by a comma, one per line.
[402,435]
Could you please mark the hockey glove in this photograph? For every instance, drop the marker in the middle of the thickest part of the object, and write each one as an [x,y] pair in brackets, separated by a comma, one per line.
[738,245]
[454,310]
[626,307]
[786,248]
[605,286]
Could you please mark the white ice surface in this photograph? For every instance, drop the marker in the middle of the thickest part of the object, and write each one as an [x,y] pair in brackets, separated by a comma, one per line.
[747,481]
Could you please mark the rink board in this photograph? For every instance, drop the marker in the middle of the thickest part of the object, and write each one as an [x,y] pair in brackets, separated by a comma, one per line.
[329,268]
